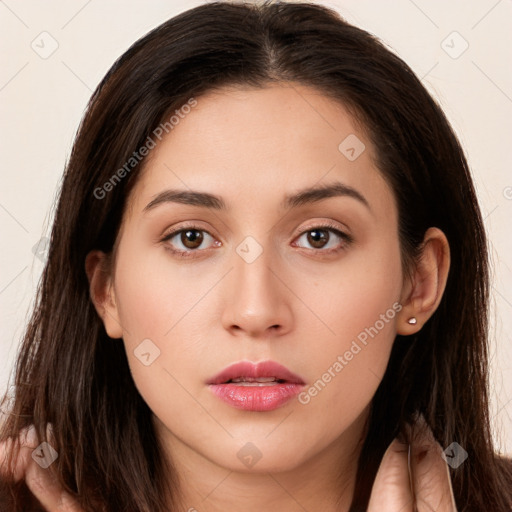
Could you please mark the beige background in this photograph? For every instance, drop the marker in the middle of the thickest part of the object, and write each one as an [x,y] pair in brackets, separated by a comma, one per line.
[43,95]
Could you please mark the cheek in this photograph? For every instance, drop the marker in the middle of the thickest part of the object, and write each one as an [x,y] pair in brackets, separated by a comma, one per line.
[161,307]
[358,306]
[153,293]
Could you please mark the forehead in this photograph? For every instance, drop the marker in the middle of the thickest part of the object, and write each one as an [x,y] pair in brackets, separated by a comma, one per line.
[267,140]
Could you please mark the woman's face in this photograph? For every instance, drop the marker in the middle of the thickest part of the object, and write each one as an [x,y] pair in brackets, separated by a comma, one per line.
[263,277]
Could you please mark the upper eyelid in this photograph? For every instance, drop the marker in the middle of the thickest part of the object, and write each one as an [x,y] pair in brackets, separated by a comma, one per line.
[173,232]
[318,225]
[327,226]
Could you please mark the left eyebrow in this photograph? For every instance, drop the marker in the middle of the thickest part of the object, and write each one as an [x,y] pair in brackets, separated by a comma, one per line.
[302,197]
[315,194]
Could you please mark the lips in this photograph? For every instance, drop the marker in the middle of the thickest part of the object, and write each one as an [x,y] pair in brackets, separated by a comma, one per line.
[256,387]
[265,372]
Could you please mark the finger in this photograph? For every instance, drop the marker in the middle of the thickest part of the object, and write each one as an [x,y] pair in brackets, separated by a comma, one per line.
[8,472]
[430,474]
[48,491]
[39,479]
[5,450]
[16,471]
[392,487]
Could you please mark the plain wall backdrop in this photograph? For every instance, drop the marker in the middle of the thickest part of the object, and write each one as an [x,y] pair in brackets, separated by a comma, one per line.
[55,53]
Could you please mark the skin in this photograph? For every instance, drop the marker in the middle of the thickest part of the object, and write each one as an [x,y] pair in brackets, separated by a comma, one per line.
[296,304]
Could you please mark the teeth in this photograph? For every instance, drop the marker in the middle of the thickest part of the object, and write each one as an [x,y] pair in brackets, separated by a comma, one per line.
[251,380]
[256,384]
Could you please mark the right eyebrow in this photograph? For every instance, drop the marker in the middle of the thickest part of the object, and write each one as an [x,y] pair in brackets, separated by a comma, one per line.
[191,197]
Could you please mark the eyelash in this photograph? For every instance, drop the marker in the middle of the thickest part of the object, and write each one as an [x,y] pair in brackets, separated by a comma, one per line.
[322,227]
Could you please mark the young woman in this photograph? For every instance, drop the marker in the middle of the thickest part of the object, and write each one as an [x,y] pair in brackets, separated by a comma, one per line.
[266,289]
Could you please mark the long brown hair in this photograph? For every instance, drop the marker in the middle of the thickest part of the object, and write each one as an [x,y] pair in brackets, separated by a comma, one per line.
[71,374]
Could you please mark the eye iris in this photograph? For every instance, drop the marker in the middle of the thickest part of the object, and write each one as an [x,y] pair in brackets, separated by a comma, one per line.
[319,236]
[195,238]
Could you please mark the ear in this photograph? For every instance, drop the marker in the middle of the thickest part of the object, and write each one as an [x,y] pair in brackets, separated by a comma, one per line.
[422,293]
[101,289]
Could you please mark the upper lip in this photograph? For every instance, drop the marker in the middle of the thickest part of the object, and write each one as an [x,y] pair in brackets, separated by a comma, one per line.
[255,370]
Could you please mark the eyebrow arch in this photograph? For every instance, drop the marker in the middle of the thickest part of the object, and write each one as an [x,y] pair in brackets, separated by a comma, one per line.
[189,197]
[314,194]
[295,200]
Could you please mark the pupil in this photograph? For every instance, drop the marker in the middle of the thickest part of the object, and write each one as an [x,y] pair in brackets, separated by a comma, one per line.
[316,239]
[195,238]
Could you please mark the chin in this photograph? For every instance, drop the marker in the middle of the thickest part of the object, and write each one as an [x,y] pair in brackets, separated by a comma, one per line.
[261,457]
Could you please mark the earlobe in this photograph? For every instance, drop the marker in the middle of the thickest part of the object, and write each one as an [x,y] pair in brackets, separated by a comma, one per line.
[424,292]
[101,290]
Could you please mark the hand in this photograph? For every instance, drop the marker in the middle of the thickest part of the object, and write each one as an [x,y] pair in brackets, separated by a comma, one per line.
[427,487]
[40,481]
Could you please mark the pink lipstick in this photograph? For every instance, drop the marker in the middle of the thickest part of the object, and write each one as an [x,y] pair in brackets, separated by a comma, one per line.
[260,387]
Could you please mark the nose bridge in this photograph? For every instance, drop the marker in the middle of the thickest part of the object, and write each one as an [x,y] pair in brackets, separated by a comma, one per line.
[253,272]
[256,299]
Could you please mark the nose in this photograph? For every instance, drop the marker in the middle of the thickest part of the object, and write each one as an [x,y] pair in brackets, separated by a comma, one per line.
[257,303]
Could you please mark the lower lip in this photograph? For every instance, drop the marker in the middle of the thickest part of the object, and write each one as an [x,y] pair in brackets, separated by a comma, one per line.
[256,398]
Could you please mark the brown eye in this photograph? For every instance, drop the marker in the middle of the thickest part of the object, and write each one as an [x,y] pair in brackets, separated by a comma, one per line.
[321,238]
[318,237]
[187,241]
[191,238]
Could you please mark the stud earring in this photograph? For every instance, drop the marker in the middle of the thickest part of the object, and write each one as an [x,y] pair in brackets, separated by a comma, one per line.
[412,320]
